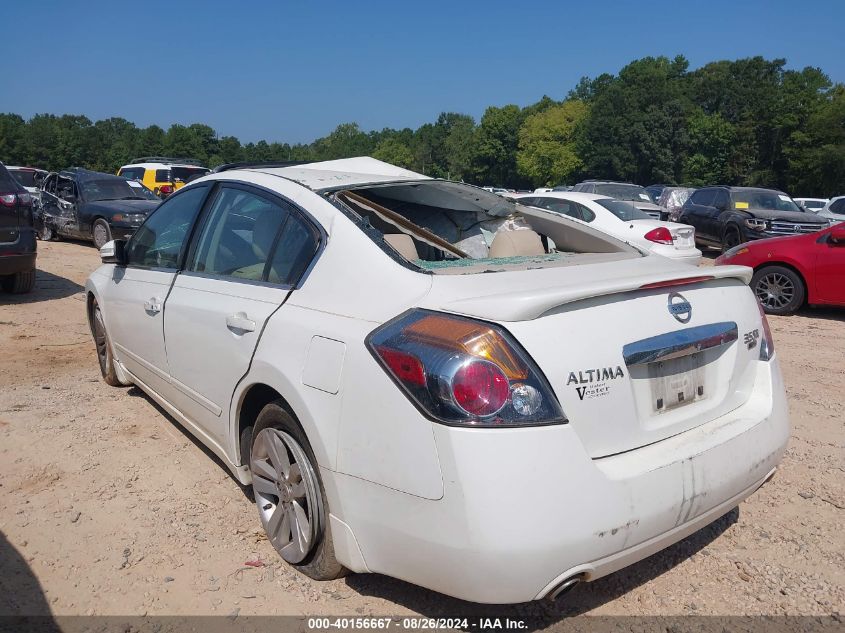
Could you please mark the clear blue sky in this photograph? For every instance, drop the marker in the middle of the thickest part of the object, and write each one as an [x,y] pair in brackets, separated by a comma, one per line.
[292,71]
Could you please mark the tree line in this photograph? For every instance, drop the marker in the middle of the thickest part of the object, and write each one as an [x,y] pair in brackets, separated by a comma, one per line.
[743,122]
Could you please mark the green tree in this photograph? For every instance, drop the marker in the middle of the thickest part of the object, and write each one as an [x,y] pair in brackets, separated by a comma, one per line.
[395,152]
[495,145]
[711,145]
[547,144]
[637,125]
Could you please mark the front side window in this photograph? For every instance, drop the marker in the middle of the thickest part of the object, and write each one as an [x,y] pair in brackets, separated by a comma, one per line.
[160,241]
[703,197]
[564,207]
[721,200]
[238,237]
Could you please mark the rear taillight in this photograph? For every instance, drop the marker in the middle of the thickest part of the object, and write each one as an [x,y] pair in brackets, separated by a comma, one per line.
[767,344]
[8,199]
[166,190]
[464,372]
[660,235]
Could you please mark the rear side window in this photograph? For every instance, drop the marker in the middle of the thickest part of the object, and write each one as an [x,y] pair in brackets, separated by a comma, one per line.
[297,246]
[160,241]
[566,207]
[179,174]
[838,207]
[132,173]
[238,237]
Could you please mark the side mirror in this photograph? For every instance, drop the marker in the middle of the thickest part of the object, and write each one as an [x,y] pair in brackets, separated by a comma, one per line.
[836,237]
[114,252]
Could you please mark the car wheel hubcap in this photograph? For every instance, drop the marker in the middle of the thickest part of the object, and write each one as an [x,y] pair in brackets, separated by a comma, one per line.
[100,339]
[286,493]
[100,235]
[775,290]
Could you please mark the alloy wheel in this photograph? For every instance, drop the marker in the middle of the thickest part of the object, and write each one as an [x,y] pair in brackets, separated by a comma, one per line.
[286,493]
[775,291]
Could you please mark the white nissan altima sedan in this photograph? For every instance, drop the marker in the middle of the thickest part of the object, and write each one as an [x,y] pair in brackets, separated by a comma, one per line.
[622,220]
[426,380]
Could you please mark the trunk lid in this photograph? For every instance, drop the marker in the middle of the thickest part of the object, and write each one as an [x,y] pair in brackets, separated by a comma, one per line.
[629,365]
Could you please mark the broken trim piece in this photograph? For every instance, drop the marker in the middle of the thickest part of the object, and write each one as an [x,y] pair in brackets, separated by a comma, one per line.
[402,223]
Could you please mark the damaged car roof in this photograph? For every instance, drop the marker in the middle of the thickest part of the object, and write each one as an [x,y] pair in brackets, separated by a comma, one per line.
[344,173]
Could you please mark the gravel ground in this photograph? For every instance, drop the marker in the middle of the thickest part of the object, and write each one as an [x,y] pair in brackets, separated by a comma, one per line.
[108,507]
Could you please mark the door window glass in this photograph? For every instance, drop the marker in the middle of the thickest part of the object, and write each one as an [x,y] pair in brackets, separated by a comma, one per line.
[294,252]
[238,236]
[160,241]
[703,197]
[838,207]
[722,200]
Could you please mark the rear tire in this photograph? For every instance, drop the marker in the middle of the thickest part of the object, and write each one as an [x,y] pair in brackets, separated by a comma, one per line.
[101,233]
[103,346]
[19,283]
[779,290]
[293,497]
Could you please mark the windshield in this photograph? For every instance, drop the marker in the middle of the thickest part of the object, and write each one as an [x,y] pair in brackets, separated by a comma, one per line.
[24,176]
[624,192]
[763,199]
[115,189]
[625,211]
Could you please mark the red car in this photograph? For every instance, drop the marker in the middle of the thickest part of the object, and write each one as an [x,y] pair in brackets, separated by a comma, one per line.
[792,271]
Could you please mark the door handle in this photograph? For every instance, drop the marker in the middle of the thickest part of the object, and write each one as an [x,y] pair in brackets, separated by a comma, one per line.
[153,305]
[240,321]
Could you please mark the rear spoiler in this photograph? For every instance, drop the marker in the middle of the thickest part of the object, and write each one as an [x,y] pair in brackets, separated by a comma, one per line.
[524,305]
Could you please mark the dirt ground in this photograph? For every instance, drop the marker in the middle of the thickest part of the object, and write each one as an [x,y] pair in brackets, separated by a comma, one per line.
[108,507]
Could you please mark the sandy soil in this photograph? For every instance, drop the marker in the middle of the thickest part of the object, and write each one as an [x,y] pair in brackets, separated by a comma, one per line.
[108,507]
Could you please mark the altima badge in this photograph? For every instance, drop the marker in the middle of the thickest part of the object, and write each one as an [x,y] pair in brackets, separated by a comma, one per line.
[679,307]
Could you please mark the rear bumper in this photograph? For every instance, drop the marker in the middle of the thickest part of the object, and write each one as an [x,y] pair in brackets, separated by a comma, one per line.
[687,255]
[524,509]
[18,256]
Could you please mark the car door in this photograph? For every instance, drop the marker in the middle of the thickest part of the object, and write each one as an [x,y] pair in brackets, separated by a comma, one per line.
[713,223]
[241,267]
[133,301]
[830,266]
[695,211]
[48,204]
[66,218]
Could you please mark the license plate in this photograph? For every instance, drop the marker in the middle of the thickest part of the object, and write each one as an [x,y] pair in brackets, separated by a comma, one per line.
[683,242]
[676,382]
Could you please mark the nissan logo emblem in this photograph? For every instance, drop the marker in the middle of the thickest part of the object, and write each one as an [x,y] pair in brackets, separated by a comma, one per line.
[679,307]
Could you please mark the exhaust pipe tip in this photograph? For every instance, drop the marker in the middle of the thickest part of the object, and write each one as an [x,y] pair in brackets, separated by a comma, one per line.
[565,587]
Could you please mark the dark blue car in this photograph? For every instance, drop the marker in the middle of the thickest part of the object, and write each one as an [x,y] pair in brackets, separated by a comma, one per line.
[91,205]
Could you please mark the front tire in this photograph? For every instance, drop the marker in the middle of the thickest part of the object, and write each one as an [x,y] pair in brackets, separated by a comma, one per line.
[290,496]
[780,290]
[730,239]
[104,353]
[20,282]
[101,233]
